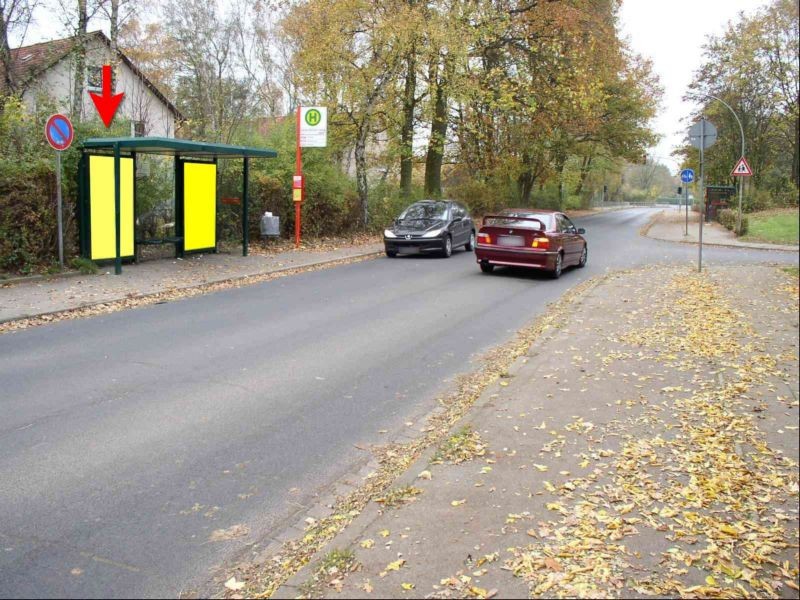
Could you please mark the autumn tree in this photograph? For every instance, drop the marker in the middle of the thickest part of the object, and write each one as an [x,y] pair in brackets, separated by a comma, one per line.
[753,67]
[347,53]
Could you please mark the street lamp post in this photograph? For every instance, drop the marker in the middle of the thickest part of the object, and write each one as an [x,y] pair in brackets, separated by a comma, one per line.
[741,131]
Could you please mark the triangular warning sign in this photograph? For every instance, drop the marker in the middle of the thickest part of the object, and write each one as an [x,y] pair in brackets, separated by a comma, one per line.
[742,169]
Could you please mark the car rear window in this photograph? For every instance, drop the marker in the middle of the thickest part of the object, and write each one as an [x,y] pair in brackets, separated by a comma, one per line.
[508,219]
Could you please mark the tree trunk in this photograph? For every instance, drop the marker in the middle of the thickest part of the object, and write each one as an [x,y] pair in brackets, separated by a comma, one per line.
[561,160]
[435,155]
[796,153]
[407,131]
[80,61]
[525,183]
[5,58]
[586,166]
[360,153]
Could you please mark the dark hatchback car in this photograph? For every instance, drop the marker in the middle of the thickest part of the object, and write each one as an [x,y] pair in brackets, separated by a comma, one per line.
[431,225]
[532,238]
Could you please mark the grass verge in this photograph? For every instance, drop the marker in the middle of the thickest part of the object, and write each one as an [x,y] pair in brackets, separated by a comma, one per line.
[775,227]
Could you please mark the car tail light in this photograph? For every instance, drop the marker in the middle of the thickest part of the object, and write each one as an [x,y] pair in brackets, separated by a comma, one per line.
[485,238]
[542,243]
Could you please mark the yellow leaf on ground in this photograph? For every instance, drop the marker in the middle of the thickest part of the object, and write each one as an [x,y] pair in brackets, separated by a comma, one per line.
[458,502]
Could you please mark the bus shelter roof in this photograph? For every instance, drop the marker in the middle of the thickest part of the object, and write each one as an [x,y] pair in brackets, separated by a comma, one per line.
[174,147]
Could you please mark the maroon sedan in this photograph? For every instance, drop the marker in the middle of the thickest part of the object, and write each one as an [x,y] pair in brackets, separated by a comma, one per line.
[533,238]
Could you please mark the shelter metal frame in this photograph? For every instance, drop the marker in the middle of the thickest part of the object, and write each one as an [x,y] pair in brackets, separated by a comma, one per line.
[179,150]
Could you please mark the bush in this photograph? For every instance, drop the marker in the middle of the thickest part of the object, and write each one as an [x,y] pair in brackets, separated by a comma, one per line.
[728,218]
[84,265]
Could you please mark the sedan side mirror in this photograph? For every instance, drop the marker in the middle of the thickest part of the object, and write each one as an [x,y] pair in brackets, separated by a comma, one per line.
[581,231]
[457,219]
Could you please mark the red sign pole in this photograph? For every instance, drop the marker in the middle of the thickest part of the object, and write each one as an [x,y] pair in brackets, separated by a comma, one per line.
[297,191]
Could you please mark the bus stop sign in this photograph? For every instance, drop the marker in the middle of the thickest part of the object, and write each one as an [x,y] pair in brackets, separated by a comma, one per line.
[59,132]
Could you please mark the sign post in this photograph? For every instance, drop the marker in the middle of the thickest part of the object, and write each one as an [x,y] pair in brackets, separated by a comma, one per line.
[742,169]
[702,135]
[59,133]
[687,177]
[312,132]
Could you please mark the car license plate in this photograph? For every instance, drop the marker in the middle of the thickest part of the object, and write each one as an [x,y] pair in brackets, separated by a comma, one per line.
[511,240]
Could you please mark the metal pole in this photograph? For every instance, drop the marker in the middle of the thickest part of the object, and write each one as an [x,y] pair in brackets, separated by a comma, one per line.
[686,200]
[245,201]
[702,193]
[59,209]
[117,258]
[298,171]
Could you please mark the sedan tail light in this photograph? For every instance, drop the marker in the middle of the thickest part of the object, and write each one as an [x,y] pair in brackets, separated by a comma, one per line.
[542,243]
[485,238]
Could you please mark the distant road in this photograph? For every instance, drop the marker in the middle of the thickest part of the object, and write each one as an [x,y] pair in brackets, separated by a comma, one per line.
[128,438]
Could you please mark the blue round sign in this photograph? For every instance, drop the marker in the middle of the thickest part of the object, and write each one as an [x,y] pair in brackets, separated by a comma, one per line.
[687,176]
[59,132]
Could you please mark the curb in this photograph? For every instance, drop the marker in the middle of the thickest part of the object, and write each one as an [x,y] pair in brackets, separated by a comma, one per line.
[237,279]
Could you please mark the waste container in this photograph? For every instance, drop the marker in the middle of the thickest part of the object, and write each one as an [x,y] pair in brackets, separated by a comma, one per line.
[270,225]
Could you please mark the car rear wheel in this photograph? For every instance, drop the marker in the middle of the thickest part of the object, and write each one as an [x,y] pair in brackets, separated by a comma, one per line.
[556,272]
[447,250]
[487,268]
[471,243]
[391,253]
[584,257]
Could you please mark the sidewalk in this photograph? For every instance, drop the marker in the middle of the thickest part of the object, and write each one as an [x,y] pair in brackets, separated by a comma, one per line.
[45,296]
[646,445]
[670,226]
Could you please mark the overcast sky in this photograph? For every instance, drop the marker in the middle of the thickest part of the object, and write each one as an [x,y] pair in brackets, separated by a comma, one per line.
[672,35]
[670,32]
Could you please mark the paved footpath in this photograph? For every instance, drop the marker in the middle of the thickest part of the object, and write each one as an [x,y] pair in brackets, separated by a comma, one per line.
[41,296]
[670,226]
[645,444]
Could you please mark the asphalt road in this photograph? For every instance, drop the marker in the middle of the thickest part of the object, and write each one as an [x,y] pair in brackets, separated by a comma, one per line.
[127,439]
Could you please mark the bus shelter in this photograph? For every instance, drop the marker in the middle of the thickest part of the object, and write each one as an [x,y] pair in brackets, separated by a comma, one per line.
[107,193]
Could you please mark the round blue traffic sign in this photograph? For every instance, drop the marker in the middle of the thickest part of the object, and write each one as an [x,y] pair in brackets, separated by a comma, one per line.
[59,132]
[687,176]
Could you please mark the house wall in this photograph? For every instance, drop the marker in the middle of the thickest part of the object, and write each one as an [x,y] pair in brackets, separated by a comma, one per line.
[139,103]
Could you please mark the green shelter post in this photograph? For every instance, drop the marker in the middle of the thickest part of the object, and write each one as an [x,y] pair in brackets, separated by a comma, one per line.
[117,225]
[245,199]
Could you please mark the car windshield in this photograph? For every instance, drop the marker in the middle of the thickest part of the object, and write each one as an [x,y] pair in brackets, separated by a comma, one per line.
[425,211]
[508,219]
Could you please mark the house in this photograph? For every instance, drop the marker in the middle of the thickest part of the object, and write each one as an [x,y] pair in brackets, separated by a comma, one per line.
[48,69]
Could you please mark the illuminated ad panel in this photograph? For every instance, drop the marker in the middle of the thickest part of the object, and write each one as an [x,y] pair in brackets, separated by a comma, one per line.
[101,207]
[199,206]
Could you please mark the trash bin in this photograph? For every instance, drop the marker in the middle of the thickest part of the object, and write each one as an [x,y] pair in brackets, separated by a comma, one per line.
[270,225]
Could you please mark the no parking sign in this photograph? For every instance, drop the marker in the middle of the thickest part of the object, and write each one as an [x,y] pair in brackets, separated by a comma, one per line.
[59,132]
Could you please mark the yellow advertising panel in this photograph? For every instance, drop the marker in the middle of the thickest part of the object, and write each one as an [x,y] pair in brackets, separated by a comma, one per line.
[199,206]
[101,206]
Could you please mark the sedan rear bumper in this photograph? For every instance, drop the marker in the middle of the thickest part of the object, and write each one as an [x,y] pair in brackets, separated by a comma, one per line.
[515,257]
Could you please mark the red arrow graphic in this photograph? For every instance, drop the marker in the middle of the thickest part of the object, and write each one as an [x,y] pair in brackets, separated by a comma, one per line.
[108,103]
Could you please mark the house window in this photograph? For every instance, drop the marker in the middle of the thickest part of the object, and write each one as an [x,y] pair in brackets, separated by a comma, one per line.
[94,81]
[138,129]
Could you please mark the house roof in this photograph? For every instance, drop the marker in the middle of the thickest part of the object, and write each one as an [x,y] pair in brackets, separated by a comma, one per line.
[28,62]
[174,147]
